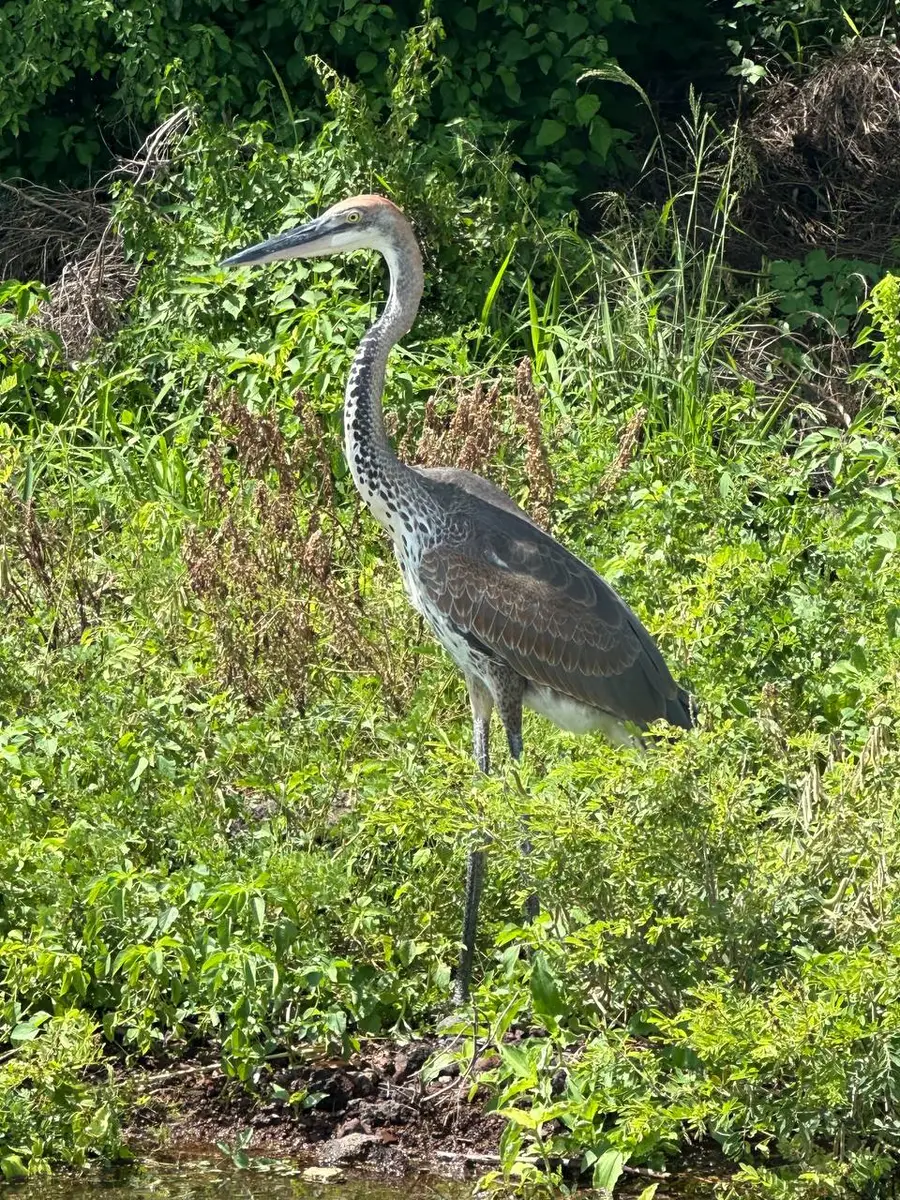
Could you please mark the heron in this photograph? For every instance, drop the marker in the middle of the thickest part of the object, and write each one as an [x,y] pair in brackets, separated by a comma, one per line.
[527,622]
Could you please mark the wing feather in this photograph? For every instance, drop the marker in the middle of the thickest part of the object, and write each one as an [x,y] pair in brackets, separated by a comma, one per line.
[549,617]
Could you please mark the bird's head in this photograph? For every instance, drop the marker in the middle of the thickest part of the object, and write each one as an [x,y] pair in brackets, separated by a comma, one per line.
[359,223]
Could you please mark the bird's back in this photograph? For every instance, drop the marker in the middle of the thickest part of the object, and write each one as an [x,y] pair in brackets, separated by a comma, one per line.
[512,590]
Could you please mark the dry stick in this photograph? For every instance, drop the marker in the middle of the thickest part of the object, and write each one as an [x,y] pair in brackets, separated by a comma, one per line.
[22,194]
[494,1160]
[433,1097]
[180,1072]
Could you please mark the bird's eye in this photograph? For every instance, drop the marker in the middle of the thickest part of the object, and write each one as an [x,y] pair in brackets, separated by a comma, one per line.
[352,216]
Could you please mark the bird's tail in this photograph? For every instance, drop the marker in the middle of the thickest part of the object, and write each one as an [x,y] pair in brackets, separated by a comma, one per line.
[681,710]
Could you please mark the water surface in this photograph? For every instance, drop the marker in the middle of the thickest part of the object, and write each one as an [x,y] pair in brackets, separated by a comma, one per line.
[208,1176]
[208,1179]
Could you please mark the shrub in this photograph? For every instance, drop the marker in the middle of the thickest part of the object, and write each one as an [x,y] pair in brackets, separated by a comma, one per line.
[51,1111]
[507,70]
[882,336]
[776,33]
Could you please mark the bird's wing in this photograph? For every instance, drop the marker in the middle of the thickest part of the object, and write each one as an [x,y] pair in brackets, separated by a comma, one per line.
[516,593]
[478,486]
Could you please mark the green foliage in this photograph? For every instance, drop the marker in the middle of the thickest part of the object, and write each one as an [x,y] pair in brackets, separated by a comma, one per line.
[787,33]
[506,67]
[83,71]
[882,337]
[49,1114]
[33,378]
[821,293]
[170,864]
[271,856]
[645,319]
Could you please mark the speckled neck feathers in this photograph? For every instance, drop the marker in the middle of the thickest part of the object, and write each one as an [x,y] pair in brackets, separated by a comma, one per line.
[380,478]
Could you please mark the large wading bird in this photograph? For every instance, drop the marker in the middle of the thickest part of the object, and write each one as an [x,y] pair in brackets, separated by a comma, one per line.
[527,622]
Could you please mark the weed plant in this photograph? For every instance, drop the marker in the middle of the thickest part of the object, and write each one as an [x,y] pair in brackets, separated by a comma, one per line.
[235,786]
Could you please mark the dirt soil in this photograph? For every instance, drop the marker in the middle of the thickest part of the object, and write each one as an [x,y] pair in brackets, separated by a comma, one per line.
[375,1114]
[375,1110]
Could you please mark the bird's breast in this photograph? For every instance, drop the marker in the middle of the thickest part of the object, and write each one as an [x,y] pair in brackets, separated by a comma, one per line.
[464,654]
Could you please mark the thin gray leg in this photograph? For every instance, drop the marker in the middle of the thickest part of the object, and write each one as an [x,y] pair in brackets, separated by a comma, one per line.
[476,863]
[532,903]
[481,729]
[509,706]
[475,872]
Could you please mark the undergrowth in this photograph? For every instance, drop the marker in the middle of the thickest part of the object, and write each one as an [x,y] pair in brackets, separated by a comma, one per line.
[236,789]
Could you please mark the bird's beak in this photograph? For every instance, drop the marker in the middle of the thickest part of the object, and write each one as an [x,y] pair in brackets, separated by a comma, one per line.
[302,242]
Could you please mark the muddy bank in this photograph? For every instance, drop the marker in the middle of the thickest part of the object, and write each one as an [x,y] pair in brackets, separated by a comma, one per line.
[373,1112]
[373,1109]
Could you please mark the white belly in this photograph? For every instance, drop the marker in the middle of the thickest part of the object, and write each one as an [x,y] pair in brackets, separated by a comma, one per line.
[575,717]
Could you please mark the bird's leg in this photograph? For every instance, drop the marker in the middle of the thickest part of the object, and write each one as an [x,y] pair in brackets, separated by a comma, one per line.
[509,695]
[532,904]
[475,872]
[476,863]
[481,732]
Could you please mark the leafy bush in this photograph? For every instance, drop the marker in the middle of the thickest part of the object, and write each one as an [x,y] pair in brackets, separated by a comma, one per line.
[33,378]
[821,293]
[787,33]
[180,868]
[882,337]
[507,71]
[49,1112]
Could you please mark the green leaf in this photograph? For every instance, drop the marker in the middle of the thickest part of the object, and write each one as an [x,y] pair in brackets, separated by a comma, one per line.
[601,136]
[98,1126]
[607,1169]
[575,24]
[27,1031]
[544,990]
[12,1167]
[233,305]
[519,1116]
[517,1061]
[495,286]
[465,18]
[550,132]
[818,265]
[514,47]
[510,84]
[586,107]
[366,61]
[142,764]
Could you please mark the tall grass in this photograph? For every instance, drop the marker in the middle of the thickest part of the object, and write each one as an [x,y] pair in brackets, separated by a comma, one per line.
[646,312]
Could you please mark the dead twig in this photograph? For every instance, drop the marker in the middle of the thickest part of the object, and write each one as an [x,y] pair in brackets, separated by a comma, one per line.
[494,1160]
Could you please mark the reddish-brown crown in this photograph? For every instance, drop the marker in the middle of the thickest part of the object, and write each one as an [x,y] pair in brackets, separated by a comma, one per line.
[370,201]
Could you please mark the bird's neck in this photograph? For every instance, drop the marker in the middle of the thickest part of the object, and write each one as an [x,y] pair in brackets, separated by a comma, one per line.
[378,474]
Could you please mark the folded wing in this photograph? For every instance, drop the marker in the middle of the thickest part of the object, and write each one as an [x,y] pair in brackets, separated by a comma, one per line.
[523,598]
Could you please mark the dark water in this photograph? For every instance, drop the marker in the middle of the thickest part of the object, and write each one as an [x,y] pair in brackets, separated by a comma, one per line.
[212,1176]
[211,1179]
